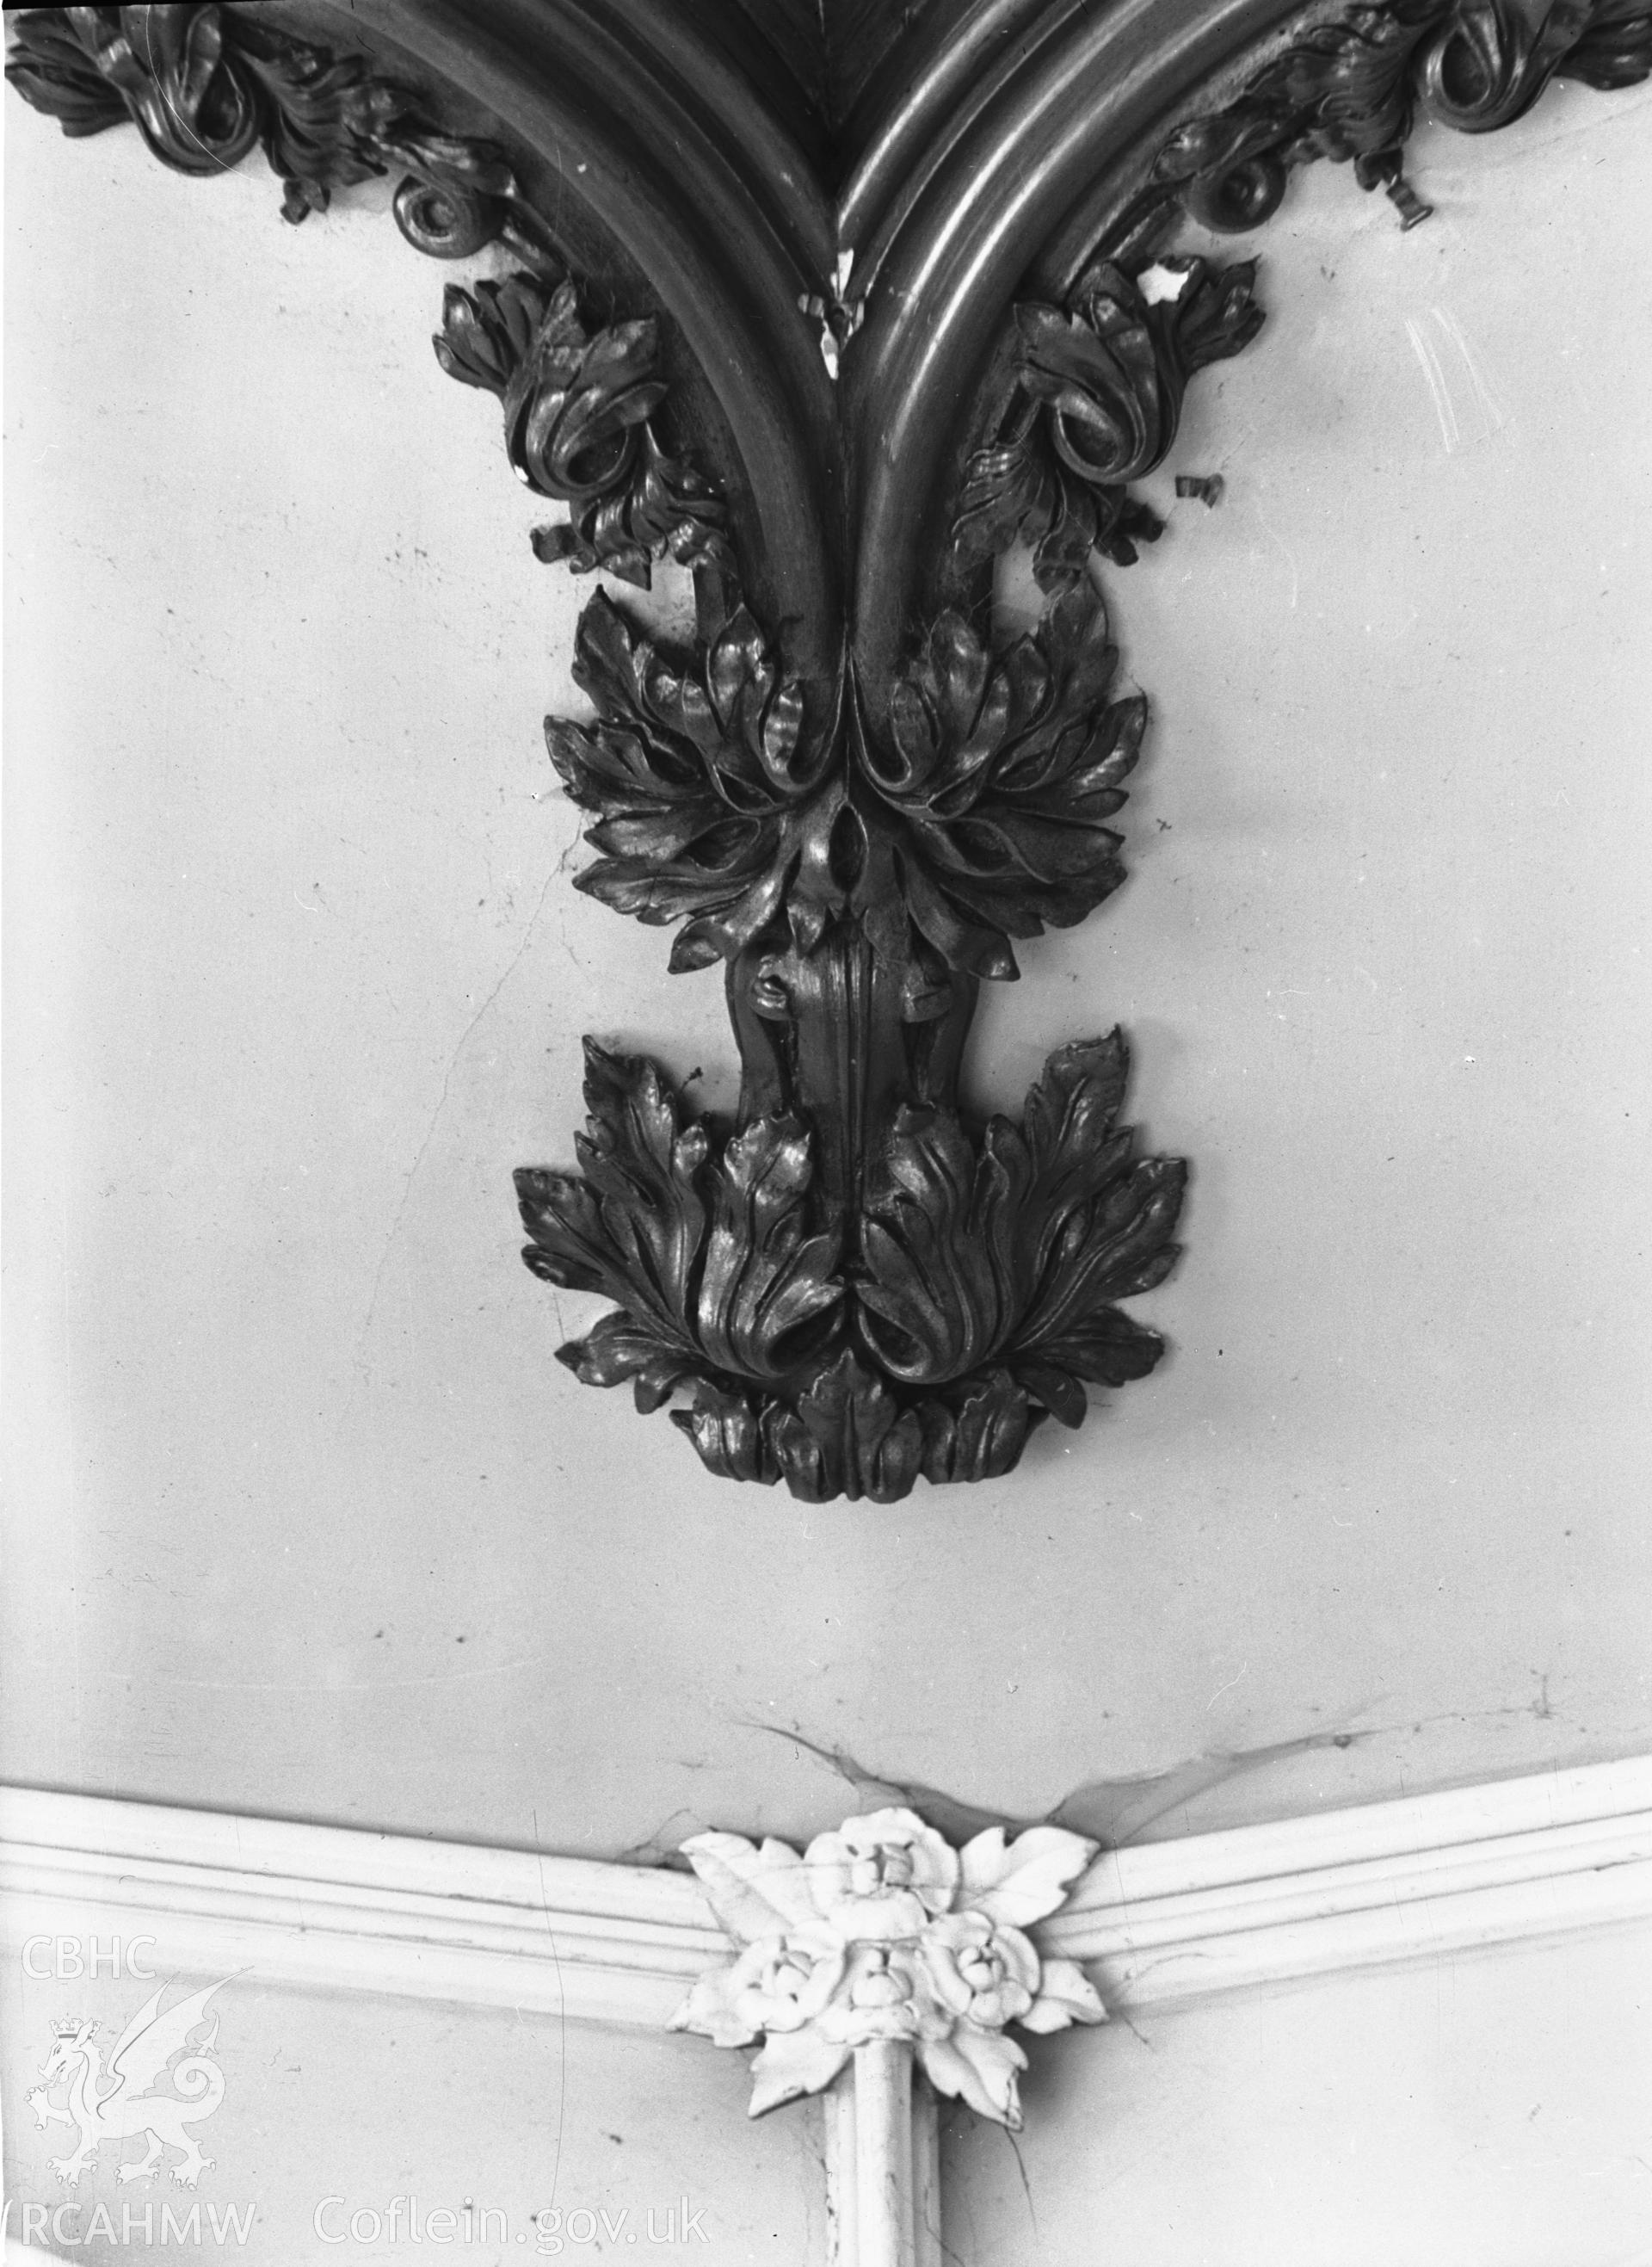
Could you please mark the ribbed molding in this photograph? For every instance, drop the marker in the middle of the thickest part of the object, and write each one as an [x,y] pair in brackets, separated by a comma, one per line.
[343,1910]
[1352,1888]
[326,1906]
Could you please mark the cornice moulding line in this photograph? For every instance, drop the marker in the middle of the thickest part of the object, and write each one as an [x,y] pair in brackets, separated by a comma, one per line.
[332,1908]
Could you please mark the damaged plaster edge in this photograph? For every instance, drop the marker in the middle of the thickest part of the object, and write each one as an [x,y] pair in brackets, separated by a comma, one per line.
[331,1908]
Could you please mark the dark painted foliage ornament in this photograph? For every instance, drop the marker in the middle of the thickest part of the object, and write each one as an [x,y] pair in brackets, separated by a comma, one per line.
[983,1296]
[1002,770]
[715,795]
[1097,402]
[1352,88]
[852,792]
[207,86]
[578,404]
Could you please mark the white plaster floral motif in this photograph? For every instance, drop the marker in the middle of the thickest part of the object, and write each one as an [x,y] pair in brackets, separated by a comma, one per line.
[882,1930]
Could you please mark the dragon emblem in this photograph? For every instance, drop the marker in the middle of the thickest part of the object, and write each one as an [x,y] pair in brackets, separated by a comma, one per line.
[111,2102]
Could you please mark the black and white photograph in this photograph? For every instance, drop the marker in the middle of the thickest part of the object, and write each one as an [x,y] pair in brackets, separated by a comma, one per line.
[828,1133]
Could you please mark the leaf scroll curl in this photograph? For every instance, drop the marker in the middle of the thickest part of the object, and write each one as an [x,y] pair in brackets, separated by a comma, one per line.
[1344,91]
[1097,402]
[203,84]
[1006,1259]
[171,69]
[1351,89]
[711,787]
[579,403]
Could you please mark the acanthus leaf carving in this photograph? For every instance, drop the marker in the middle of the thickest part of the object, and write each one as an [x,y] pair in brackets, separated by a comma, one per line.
[578,404]
[729,1435]
[847,1435]
[708,777]
[1016,1250]
[768,1285]
[1351,88]
[1003,770]
[165,67]
[1098,390]
[976,1428]
[1614,50]
[51,68]
[984,1295]
[705,1246]
[207,85]
[856,1284]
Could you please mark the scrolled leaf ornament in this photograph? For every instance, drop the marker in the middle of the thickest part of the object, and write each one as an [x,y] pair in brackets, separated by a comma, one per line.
[578,402]
[206,85]
[1099,386]
[165,67]
[882,1932]
[1352,87]
[853,789]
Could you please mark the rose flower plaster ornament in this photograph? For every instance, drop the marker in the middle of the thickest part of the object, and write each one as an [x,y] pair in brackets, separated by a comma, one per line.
[882,1931]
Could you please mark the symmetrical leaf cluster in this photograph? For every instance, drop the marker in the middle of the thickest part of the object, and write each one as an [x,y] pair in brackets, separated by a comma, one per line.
[984,1293]
[977,813]
[843,1433]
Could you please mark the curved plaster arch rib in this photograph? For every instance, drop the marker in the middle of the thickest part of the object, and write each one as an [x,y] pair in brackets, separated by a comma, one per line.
[927,279]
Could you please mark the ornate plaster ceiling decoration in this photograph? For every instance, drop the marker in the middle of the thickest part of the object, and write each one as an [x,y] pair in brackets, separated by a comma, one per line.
[924,271]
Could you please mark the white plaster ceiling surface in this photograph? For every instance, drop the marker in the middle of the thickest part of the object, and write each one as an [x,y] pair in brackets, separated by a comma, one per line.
[306,1518]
